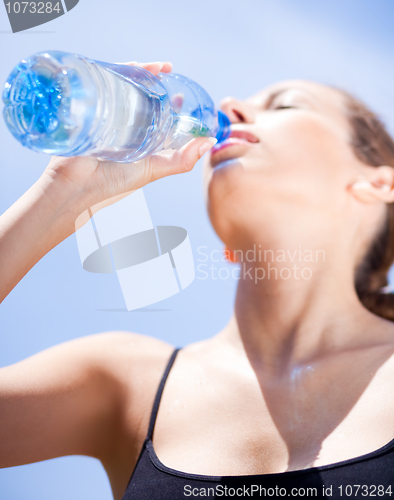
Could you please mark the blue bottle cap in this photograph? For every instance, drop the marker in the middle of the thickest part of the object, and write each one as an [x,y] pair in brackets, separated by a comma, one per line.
[224,127]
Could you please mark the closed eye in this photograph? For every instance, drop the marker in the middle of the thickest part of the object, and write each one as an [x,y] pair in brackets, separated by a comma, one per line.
[284,107]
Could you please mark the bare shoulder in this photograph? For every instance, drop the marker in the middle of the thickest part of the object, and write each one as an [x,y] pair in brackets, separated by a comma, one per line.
[124,363]
[136,364]
[122,354]
[133,365]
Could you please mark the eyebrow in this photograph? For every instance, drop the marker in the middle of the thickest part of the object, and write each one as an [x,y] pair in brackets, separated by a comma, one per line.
[271,98]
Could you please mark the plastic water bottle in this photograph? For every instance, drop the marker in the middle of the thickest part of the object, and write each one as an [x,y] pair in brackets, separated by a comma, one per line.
[68,105]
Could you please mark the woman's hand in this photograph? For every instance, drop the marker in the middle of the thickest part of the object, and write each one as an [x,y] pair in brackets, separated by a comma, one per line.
[96,180]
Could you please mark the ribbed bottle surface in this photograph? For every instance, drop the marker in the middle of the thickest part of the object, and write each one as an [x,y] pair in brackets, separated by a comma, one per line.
[68,105]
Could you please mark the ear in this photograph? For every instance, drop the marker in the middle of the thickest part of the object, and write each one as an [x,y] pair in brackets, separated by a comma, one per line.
[377,184]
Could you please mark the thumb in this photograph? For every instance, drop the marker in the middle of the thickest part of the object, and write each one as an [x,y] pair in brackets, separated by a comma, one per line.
[172,162]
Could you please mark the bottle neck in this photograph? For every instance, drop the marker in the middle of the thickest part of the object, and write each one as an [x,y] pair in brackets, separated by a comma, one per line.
[224,124]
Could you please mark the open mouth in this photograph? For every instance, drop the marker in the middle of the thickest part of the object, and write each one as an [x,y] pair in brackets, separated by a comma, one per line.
[240,138]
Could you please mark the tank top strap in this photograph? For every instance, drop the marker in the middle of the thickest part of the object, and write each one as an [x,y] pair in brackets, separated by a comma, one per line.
[159,393]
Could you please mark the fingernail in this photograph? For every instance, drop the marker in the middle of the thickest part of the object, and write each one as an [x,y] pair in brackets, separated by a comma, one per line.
[207,145]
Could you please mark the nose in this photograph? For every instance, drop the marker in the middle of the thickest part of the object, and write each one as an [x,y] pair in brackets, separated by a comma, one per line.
[238,111]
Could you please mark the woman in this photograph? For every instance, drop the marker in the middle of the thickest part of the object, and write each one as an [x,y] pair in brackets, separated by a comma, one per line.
[296,391]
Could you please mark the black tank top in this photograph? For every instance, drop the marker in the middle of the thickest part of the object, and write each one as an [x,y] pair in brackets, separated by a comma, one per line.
[370,475]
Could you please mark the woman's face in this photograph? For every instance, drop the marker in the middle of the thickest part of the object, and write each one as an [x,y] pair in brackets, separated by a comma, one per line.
[288,160]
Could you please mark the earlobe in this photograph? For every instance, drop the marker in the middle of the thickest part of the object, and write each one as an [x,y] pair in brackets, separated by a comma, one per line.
[361,185]
[363,191]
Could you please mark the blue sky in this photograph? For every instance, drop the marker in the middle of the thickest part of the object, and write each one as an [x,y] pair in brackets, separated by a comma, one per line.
[230,48]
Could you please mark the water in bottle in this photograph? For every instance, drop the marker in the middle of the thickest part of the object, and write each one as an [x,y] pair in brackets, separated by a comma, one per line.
[68,105]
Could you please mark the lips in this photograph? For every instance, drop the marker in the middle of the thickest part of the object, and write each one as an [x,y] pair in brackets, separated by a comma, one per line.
[241,139]
[245,135]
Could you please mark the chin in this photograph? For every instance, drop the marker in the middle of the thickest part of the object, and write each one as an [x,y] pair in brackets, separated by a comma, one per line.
[227,193]
[224,178]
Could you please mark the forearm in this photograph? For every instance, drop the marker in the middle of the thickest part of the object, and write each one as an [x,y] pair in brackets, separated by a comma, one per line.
[46,214]
[43,217]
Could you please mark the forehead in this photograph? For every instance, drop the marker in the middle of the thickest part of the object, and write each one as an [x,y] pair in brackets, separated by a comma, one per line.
[322,98]
[316,91]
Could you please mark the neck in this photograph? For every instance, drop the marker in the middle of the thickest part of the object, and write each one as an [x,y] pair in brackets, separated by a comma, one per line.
[287,317]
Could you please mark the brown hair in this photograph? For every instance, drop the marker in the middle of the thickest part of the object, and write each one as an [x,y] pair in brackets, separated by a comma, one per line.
[373,145]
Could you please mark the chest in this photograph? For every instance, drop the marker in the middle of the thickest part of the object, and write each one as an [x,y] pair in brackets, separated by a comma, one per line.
[214,426]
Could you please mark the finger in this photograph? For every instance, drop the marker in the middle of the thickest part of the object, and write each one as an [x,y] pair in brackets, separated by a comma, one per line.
[152,67]
[167,67]
[154,167]
[177,162]
[177,102]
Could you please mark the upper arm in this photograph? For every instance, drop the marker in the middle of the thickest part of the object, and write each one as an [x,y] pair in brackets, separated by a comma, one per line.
[66,400]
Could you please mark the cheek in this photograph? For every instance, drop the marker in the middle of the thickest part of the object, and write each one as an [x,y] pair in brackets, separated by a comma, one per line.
[307,152]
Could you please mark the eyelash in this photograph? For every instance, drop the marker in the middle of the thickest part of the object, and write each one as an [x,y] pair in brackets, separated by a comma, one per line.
[283,107]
